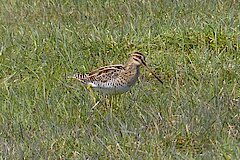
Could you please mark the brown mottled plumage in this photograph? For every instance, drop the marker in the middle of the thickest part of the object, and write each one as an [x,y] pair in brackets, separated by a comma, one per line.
[115,79]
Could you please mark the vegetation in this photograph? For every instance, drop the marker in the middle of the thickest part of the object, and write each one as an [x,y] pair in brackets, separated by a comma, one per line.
[192,45]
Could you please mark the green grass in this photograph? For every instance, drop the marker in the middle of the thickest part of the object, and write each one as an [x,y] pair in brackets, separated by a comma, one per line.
[192,45]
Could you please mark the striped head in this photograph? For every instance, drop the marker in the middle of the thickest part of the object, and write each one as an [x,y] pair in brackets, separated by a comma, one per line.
[138,59]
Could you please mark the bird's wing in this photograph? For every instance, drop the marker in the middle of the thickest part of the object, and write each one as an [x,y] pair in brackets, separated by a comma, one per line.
[104,74]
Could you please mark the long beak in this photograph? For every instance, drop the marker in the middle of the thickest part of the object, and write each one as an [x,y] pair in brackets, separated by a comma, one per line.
[153,73]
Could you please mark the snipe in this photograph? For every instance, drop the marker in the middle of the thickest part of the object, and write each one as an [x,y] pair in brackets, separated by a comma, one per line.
[115,79]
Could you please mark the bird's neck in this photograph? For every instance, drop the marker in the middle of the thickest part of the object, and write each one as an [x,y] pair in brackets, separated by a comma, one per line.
[131,66]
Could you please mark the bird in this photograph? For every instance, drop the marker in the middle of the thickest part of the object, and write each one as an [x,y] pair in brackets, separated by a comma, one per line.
[115,79]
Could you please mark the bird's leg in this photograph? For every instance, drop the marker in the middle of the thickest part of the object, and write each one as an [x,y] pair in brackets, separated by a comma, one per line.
[109,103]
[89,88]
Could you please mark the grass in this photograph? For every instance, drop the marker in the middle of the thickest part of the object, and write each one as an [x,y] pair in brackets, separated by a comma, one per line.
[192,45]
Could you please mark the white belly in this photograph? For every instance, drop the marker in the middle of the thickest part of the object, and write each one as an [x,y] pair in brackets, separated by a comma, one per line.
[112,90]
[108,89]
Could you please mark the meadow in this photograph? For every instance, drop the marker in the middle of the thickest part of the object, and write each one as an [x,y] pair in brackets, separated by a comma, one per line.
[193,46]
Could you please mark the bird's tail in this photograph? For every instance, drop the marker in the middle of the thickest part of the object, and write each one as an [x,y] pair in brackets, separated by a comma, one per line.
[80,77]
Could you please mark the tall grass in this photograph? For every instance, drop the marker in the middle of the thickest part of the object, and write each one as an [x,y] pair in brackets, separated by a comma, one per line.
[192,45]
